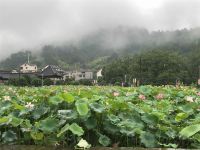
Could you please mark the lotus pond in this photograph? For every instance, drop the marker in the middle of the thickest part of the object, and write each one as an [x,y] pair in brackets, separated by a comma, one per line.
[82,117]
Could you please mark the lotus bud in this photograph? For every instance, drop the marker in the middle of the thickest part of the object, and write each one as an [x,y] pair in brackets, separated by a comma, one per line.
[142,97]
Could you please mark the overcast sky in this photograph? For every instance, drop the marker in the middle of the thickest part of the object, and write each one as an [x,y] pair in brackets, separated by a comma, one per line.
[29,24]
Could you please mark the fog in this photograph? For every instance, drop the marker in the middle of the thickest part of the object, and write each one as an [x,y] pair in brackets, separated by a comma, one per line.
[30,24]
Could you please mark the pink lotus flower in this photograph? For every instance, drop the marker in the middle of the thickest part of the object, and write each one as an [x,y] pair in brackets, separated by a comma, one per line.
[142,97]
[115,94]
[160,96]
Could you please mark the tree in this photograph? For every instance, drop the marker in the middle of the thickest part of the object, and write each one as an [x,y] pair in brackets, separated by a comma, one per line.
[155,67]
[36,82]
[48,82]
[16,59]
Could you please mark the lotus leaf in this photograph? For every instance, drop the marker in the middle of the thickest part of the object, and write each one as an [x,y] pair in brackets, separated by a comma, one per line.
[148,139]
[67,114]
[76,129]
[91,123]
[104,140]
[82,107]
[9,136]
[63,130]
[190,130]
[55,100]
[181,116]
[97,107]
[49,125]
[37,135]
[68,97]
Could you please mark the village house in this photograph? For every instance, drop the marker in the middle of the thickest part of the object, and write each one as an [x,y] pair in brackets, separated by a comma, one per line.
[83,74]
[68,75]
[53,72]
[28,68]
[99,73]
[79,75]
[6,75]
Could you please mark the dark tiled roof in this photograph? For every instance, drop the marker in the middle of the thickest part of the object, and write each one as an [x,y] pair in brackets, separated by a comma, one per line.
[4,71]
[9,75]
[52,71]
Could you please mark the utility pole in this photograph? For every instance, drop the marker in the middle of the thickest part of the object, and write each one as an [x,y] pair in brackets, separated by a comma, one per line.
[125,78]
[199,72]
[28,58]
[20,77]
[199,77]
[42,79]
[140,70]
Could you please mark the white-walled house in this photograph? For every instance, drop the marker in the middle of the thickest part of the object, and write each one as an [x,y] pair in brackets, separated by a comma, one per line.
[27,68]
[84,74]
[68,75]
[99,73]
[78,75]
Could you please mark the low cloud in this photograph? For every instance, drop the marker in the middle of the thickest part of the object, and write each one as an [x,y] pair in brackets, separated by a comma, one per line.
[30,24]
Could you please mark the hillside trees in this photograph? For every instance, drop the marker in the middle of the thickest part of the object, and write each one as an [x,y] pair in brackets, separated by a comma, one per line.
[17,59]
[194,64]
[152,67]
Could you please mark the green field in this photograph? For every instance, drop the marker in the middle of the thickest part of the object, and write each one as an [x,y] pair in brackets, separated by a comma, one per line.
[80,116]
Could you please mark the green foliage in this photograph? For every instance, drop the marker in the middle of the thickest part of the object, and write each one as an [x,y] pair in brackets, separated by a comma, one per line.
[36,82]
[37,135]
[148,139]
[82,107]
[55,100]
[16,59]
[85,82]
[25,81]
[156,67]
[104,140]
[76,129]
[94,51]
[68,97]
[97,107]
[9,136]
[190,130]
[100,115]
[48,125]
[63,130]
[48,82]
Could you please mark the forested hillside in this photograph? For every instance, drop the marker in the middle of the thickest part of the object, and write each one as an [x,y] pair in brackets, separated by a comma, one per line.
[101,47]
[155,67]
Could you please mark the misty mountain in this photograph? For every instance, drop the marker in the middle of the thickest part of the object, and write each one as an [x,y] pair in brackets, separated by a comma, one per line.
[103,46]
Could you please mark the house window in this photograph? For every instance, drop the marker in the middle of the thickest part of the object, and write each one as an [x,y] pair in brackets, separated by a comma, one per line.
[35,67]
[21,67]
[26,67]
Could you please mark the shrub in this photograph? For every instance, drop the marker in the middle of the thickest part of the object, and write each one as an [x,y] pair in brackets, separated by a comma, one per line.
[36,82]
[48,82]
[85,82]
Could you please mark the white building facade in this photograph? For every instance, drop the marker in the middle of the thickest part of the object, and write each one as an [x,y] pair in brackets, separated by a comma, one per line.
[27,68]
[99,73]
[79,75]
